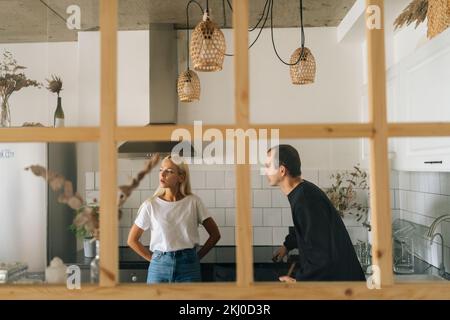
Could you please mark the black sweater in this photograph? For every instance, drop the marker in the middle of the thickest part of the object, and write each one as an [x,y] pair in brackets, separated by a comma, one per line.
[326,252]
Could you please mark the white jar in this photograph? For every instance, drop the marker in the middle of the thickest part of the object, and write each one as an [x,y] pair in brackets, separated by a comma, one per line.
[56,271]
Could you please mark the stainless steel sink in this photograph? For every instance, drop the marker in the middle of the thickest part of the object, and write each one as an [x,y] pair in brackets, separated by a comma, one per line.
[418,277]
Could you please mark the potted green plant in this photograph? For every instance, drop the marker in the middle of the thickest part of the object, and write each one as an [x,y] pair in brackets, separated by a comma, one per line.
[82,229]
[343,193]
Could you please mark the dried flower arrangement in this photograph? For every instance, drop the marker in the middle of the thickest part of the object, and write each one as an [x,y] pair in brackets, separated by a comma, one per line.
[54,85]
[86,221]
[436,11]
[343,192]
[12,79]
[416,12]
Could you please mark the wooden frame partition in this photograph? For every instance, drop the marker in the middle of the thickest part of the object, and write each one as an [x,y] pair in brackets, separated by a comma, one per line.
[378,131]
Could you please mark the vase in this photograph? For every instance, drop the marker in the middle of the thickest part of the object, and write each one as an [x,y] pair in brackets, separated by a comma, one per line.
[89,247]
[58,119]
[95,264]
[5,115]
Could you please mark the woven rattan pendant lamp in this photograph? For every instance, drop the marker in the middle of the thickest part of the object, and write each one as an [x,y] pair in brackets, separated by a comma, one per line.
[188,84]
[207,45]
[303,63]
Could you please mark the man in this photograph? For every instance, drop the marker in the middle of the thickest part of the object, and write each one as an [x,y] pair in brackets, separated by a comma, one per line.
[325,250]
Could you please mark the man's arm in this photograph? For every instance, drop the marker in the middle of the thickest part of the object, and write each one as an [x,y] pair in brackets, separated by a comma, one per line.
[290,242]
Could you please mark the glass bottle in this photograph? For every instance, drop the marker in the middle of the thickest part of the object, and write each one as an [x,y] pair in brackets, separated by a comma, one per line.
[95,264]
[58,120]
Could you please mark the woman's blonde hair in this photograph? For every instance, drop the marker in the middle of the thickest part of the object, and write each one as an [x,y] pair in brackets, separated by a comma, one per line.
[183,169]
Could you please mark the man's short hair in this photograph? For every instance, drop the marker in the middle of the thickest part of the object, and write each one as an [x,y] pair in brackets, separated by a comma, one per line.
[288,157]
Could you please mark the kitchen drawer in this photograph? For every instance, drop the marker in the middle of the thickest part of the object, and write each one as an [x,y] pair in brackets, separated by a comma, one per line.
[133,275]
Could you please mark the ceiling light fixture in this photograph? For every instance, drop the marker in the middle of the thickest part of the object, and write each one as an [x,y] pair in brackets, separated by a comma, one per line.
[207,45]
[188,84]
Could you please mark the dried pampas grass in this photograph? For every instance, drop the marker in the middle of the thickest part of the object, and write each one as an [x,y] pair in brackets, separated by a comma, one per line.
[416,12]
[87,217]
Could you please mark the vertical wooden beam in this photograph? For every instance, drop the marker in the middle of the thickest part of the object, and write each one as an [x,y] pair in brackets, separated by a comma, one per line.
[379,168]
[108,155]
[244,231]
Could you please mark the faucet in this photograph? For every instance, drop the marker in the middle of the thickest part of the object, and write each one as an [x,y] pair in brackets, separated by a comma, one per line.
[442,265]
[435,223]
[432,234]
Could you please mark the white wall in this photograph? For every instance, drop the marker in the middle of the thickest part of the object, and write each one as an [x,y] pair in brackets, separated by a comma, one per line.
[273,99]
[133,78]
[42,60]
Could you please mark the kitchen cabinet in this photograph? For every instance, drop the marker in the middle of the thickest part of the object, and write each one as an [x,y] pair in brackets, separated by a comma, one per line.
[418,91]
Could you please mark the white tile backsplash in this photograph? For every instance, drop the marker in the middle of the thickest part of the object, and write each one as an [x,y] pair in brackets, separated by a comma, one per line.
[146,194]
[198,179]
[97,181]
[154,179]
[124,177]
[262,236]
[279,234]
[286,217]
[225,198]
[134,201]
[433,183]
[265,183]
[256,179]
[279,199]
[227,236]
[230,217]
[145,182]
[262,198]
[218,214]
[215,179]
[230,179]
[404,180]
[357,234]
[203,234]
[145,238]
[311,176]
[444,180]
[90,180]
[125,220]
[325,180]
[257,217]
[419,197]
[272,217]
[208,197]
[427,199]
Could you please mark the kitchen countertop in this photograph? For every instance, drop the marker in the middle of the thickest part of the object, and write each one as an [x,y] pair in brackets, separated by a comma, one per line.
[128,259]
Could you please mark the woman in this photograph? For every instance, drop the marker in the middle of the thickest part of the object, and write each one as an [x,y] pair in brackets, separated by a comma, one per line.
[173,215]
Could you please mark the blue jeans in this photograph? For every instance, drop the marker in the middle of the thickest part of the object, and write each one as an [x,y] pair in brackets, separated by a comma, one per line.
[175,266]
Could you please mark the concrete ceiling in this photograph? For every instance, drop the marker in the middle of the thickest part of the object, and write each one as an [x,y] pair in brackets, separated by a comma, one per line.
[33,21]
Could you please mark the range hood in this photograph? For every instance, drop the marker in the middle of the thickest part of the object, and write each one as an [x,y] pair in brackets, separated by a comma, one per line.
[163,94]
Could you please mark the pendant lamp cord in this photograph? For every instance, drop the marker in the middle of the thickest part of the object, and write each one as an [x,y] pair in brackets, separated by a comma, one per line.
[187,29]
[302,34]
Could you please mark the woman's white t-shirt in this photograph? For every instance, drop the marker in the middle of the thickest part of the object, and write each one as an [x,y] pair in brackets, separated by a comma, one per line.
[173,224]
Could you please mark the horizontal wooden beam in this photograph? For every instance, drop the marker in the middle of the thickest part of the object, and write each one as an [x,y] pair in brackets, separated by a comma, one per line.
[286,131]
[164,132]
[419,129]
[320,131]
[34,134]
[260,291]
